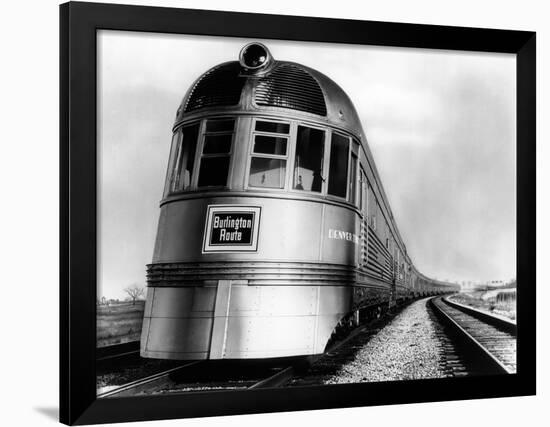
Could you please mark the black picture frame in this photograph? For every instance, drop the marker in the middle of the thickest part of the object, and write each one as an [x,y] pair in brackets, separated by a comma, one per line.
[79,23]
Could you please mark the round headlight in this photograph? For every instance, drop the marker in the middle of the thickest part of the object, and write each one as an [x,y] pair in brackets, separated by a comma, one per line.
[254,56]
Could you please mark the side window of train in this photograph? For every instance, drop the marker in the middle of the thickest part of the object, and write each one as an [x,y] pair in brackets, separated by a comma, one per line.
[364,194]
[372,207]
[338,170]
[269,154]
[308,164]
[353,179]
[182,160]
[379,217]
[174,147]
[216,152]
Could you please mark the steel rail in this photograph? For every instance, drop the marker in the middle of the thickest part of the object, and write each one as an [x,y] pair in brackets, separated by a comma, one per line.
[117,350]
[156,380]
[478,350]
[277,380]
[501,323]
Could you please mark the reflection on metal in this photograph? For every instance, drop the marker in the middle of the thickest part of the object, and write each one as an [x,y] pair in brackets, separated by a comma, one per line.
[235,320]
[254,57]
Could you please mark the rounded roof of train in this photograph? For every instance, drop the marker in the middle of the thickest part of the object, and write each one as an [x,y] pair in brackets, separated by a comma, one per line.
[274,88]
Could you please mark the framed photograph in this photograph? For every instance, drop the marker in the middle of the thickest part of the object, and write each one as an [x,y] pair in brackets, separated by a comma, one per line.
[267,213]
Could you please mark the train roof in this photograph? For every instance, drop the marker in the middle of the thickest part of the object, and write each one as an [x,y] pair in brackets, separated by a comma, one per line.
[279,88]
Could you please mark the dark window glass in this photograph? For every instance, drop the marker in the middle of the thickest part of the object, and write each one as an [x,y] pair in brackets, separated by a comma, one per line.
[308,166]
[220,125]
[173,156]
[272,127]
[338,173]
[213,171]
[185,159]
[217,144]
[266,172]
[270,145]
[216,147]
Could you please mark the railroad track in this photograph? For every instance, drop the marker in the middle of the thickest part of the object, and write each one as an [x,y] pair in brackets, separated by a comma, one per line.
[489,341]
[207,375]
[149,383]
[118,351]
[215,375]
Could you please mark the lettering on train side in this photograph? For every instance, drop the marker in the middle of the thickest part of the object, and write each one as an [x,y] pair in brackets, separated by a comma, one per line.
[343,235]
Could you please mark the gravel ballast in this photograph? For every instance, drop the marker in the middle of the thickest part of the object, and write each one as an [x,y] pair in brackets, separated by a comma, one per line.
[407,348]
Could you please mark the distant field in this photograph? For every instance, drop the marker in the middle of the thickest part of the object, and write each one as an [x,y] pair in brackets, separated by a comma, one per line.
[501,302]
[119,323]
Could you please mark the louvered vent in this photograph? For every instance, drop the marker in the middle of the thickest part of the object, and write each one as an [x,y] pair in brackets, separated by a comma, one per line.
[217,87]
[291,87]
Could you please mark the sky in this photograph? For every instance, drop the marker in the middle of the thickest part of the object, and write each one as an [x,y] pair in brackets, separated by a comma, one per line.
[440,124]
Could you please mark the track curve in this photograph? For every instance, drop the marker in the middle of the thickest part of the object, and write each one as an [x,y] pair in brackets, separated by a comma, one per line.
[489,339]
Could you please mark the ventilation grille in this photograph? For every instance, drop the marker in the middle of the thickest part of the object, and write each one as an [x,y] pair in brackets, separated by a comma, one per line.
[291,87]
[220,86]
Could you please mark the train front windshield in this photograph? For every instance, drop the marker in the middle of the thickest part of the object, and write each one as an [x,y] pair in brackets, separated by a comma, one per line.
[280,155]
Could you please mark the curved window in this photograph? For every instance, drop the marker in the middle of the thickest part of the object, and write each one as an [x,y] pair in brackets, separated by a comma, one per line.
[269,155]
[214,167]
[338,171]
[363,194]
[308,164]
[371,207]
[182,161]
[353,179]
[172,158]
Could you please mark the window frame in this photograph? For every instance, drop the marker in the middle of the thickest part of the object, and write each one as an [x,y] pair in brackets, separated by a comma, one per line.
[354,165]
[199,155]
[174,148]
[372,219]
[174,151]
[349,138]
[290,137]
[363,191]
[326,163]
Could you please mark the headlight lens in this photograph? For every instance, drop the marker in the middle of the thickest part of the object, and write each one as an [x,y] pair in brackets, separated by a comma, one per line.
[254,56]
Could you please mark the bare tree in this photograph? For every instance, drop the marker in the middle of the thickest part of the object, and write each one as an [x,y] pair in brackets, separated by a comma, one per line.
[134,291]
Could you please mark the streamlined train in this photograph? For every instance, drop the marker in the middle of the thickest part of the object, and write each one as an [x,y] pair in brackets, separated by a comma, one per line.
[274,227]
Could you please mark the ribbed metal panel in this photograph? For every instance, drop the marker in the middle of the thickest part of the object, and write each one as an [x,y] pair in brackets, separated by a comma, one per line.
[289,86]
[363,259]
[261,273]
[220,86]
[379,260]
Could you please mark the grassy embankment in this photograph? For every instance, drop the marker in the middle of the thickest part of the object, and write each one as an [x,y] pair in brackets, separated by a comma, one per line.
[501,302]
[119,323]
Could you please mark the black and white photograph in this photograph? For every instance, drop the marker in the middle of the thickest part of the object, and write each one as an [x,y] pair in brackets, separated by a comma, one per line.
[286,213]
[275,213]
